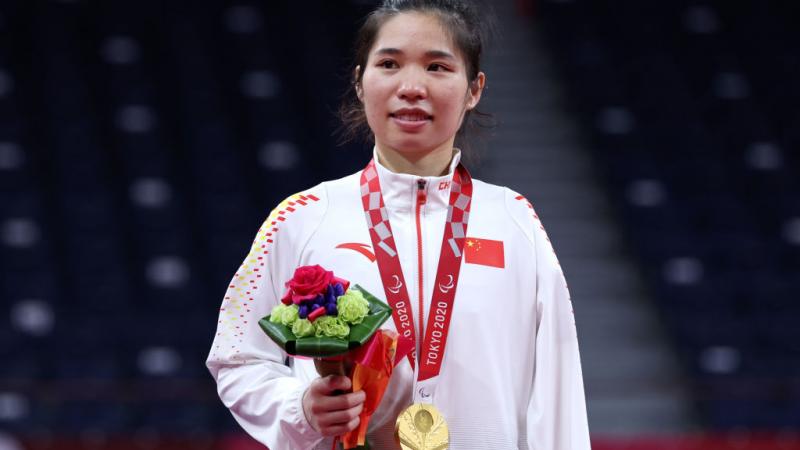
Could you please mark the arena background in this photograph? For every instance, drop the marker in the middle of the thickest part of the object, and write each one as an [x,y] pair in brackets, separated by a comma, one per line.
[143,142]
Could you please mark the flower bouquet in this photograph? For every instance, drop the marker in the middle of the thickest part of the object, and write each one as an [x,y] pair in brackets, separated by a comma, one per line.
[321,316]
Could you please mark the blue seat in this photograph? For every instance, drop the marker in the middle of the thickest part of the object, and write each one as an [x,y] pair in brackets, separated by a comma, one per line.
[88,210]
[37,281]
[180,416]
[75,416]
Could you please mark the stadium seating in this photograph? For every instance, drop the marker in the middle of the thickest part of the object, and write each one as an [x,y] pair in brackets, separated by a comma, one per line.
[691,110]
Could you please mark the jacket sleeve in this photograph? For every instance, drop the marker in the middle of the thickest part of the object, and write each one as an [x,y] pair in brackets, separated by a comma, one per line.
[556,416]
[252,377]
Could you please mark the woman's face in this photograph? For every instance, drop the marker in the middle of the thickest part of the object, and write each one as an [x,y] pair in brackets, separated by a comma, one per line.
[414,89]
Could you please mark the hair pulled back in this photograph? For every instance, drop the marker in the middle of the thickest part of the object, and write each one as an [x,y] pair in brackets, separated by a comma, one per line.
[461,20]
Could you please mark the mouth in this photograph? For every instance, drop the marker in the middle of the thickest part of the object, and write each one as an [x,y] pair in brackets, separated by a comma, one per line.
[411,115]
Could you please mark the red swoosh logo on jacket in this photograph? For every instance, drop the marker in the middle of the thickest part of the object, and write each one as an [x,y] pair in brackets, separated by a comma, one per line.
[364,249]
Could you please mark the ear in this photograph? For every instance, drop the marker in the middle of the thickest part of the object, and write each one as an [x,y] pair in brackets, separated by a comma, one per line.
[357,84]
[475,90]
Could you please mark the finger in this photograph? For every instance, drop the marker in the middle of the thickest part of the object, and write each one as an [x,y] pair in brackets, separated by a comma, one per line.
[339,430]
[339,402]
[331,383]
[339,383]
[339,417]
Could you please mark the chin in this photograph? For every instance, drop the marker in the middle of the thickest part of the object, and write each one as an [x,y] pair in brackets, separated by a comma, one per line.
[410,145]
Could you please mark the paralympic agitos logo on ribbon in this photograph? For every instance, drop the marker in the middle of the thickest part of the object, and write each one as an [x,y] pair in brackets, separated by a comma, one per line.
[397,285]
[444,288]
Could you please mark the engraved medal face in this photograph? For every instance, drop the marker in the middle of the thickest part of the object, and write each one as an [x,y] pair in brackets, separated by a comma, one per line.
[422,427]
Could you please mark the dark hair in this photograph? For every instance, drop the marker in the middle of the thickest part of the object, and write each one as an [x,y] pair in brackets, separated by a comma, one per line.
[470,31]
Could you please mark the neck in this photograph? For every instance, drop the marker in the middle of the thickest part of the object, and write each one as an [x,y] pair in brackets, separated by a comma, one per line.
[424,164]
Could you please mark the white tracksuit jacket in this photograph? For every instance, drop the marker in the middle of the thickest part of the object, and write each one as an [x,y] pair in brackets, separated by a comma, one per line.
[511,375]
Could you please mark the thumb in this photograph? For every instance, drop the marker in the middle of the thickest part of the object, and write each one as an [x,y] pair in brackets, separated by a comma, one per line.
[333,383]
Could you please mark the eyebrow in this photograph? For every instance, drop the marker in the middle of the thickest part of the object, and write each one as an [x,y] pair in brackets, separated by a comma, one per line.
[429,53]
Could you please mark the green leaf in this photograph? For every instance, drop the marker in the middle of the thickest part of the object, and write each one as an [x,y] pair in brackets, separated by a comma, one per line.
[281,334]
[321,347]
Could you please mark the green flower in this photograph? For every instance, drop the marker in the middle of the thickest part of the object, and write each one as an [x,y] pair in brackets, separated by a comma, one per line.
[277,312]
[303,328]
[332,327]
[284,315]
[352,307]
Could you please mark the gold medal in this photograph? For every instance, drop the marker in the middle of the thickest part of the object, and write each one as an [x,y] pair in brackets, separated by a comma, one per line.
[422,427]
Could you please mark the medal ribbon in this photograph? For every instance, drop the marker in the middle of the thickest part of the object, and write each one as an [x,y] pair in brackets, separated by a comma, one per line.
[447,272]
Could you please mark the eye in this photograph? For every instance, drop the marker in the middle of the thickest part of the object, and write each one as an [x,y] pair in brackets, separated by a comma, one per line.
[436,67]
[387,64]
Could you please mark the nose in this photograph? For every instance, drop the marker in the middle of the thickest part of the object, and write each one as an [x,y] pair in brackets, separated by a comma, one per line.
[412,87]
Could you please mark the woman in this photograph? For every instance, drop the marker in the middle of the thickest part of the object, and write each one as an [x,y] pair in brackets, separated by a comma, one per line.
[496,355]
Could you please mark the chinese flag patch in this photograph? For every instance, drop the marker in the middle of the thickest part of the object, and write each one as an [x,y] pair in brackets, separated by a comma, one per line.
[485,252]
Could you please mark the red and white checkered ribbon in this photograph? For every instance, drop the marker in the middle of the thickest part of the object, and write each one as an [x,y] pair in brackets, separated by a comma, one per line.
[394,284]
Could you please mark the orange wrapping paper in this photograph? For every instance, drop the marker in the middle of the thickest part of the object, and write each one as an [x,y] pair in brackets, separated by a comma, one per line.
[373,369]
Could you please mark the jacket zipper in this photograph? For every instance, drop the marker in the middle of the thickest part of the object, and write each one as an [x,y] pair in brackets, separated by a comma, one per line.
[421,198]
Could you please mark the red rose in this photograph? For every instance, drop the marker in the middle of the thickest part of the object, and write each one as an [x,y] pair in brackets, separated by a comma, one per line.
[307,283]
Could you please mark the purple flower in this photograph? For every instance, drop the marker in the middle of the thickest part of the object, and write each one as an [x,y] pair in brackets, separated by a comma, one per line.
[331,309]
[303,311]
[314,303]
[338,289]
[330,294]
